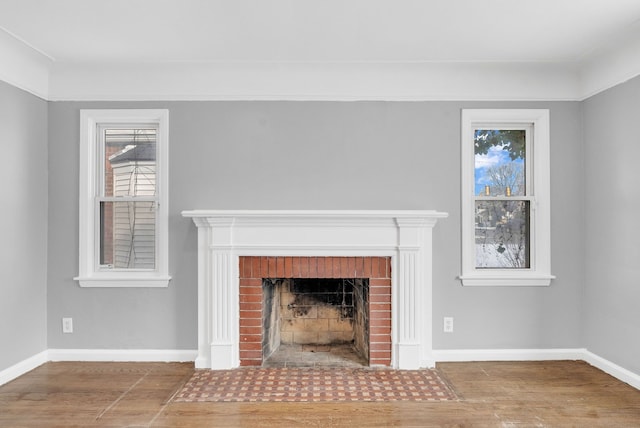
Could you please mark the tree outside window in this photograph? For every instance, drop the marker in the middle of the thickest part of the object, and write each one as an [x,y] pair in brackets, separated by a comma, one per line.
[502,221]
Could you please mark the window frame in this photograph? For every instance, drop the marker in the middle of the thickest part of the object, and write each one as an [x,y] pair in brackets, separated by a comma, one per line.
[90,274]
[539,271]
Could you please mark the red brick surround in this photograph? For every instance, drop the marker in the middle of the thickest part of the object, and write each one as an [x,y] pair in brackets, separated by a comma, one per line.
[254,269]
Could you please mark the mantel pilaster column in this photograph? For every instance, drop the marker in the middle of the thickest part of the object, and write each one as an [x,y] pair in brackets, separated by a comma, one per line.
[413,293]
[218,291]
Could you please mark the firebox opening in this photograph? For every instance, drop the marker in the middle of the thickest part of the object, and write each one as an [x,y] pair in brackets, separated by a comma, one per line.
[316,313]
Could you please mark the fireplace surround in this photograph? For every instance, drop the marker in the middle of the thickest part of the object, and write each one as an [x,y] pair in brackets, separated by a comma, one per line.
[225,237]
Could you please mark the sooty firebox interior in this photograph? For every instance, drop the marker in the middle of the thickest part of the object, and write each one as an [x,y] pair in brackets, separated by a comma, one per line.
[315,311]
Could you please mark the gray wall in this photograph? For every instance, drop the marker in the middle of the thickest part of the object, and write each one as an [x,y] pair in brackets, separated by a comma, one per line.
[23,225]
[612,180]
[316,155]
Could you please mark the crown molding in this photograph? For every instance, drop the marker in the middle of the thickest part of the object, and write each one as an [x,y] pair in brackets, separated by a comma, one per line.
[607,68]
[23,66]
[33,71]
[317,81]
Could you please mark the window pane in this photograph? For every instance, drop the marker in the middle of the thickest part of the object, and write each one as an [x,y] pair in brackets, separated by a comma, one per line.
[127,235]
[500,162]
[502,234]
[130,162]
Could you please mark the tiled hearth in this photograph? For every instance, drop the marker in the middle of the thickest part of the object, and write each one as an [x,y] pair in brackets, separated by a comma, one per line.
[320,241]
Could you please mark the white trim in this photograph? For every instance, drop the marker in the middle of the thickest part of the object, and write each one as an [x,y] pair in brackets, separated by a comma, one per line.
[119,355]
[123,355]
[613,369]
[28,68]
[312,218]
[88,275]
[467,355]
[22,367]
[315,81]
[33,72]
[607,68]
[439,356]
[539,274]
[527,279]
[553,354]
[23,66]
[124,281]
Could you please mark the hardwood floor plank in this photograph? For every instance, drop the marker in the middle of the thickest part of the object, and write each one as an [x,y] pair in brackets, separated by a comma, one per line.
[520,394]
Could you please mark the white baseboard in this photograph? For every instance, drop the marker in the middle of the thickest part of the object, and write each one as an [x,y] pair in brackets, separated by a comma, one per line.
[578,354]
[123,355]
[450,355]
[613,369]
[24,366]
[459,355]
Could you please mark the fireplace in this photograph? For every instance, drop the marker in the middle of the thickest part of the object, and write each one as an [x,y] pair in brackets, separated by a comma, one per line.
[238,250]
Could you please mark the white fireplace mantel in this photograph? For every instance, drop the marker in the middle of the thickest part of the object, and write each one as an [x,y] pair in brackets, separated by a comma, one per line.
[403,235]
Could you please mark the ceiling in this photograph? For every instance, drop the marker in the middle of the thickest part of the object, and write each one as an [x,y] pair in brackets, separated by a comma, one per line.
[73,38]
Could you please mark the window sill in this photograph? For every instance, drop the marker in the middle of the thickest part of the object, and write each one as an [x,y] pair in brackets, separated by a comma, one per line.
[507,280]
[124,281]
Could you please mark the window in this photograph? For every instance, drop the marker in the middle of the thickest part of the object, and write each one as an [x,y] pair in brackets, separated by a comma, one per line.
[123,198]
[505,197]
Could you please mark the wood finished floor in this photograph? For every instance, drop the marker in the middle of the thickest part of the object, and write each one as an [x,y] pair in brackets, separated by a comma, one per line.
[492,394]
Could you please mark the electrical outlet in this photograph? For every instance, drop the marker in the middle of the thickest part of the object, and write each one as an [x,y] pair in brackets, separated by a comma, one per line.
[448,324]
[67,325]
